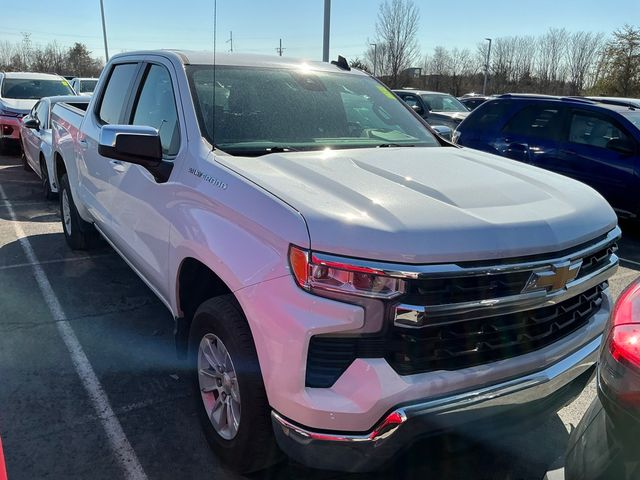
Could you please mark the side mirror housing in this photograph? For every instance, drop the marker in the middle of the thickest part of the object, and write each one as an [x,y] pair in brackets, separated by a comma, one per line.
[32,123]
[132,144]
[418,109]
[623,147]
[444,131]
[135,144]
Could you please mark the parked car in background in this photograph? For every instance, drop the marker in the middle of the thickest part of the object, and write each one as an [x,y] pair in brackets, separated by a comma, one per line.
[473,101]
[436,108]
[35,132]
[343,282]
[593,142]
[19,92]
[84,86]
[605,444]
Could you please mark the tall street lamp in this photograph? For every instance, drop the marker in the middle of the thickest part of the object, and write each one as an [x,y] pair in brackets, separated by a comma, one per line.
[327,27]
[486,67]
[375,59]
[104,33]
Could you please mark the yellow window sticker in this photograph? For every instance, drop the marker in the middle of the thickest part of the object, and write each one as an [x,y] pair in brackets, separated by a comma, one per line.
[64,82]
[386,92]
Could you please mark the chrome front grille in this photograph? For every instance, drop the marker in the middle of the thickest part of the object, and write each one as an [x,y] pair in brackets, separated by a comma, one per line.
[459,316]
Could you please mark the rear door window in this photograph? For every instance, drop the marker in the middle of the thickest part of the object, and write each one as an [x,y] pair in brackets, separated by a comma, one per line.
[117,92]
[538,121]
[595,130]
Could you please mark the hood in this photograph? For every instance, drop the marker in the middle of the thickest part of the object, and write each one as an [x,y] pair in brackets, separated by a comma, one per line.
[455,116]
[17,105]
[433,204]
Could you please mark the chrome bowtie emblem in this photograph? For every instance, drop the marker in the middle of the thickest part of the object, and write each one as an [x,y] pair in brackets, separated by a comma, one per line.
[554,277]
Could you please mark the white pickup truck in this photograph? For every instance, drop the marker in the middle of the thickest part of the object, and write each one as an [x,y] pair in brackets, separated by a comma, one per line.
[343,282]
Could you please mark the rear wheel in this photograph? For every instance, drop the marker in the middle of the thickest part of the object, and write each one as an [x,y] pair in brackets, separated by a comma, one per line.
[80,235]
[229,392]
[46,186]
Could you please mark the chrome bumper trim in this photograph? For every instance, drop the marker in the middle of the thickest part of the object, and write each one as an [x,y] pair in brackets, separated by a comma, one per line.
[515,392]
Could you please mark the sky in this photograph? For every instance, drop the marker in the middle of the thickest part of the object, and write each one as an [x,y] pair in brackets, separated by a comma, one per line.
[258,25]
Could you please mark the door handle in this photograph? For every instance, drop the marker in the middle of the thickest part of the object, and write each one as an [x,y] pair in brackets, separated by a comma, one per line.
[117,166]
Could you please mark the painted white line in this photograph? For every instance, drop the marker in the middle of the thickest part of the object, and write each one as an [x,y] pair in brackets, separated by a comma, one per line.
[117,439]
[4,203]
[58,260]
[637,264]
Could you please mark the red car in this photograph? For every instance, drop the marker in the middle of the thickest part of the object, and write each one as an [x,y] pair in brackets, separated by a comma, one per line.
[606,442]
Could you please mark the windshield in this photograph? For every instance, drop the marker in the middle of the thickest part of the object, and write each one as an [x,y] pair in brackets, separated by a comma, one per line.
[633,116]
[34,89]
[88,86]
[443,103]
[261,110]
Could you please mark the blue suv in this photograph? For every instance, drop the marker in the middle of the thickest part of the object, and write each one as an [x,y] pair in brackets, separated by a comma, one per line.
[595,142]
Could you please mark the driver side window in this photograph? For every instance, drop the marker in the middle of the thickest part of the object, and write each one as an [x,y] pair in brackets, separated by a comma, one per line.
[156,107]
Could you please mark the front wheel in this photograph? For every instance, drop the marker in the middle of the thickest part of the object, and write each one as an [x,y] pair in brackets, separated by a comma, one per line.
[80,235]
[229,392]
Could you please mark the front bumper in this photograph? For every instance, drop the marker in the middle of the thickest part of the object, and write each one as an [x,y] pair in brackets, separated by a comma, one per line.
[492,409]
[10,127]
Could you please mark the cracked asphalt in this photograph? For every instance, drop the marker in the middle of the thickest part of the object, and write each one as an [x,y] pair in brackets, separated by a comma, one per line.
[49,427]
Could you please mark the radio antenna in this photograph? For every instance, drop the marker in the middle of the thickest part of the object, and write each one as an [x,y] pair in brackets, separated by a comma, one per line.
[213,106]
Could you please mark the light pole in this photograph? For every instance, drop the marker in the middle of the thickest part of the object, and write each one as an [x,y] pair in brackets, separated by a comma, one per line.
[375,59]
[486,67]
[104,33]
[327,28]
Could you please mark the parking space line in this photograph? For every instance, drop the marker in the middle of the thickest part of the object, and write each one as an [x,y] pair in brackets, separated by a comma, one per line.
[637,264]
[118,441]
[57,260]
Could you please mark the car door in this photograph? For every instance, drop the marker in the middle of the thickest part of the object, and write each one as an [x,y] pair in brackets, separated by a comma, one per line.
[140,208]
[31,137]
[96,187]
[532,134]
[592,155]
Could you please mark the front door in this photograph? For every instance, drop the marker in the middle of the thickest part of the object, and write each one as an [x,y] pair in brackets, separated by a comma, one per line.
[141,207]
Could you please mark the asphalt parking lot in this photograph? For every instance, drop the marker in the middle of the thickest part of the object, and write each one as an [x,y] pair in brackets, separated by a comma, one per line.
[106,320]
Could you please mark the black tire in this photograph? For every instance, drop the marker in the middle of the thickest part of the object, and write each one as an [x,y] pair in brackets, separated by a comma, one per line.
[254,447]
[82,235]
[46,186]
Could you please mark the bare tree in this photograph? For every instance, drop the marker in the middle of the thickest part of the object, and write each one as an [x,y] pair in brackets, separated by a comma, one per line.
[582,54]
[460,67]
[396,35]
[438,67]
[551,52]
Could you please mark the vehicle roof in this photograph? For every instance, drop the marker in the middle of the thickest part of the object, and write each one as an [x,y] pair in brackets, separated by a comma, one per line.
[419,92]
[624,105]
[32,75]
[635,101]
[189,57]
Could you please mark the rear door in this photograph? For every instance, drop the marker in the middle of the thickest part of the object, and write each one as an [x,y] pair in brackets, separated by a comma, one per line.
[111,107]
[140,207]
[588,156]
[532,135]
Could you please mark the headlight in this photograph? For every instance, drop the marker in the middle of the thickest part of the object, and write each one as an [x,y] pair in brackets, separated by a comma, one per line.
[317,274]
